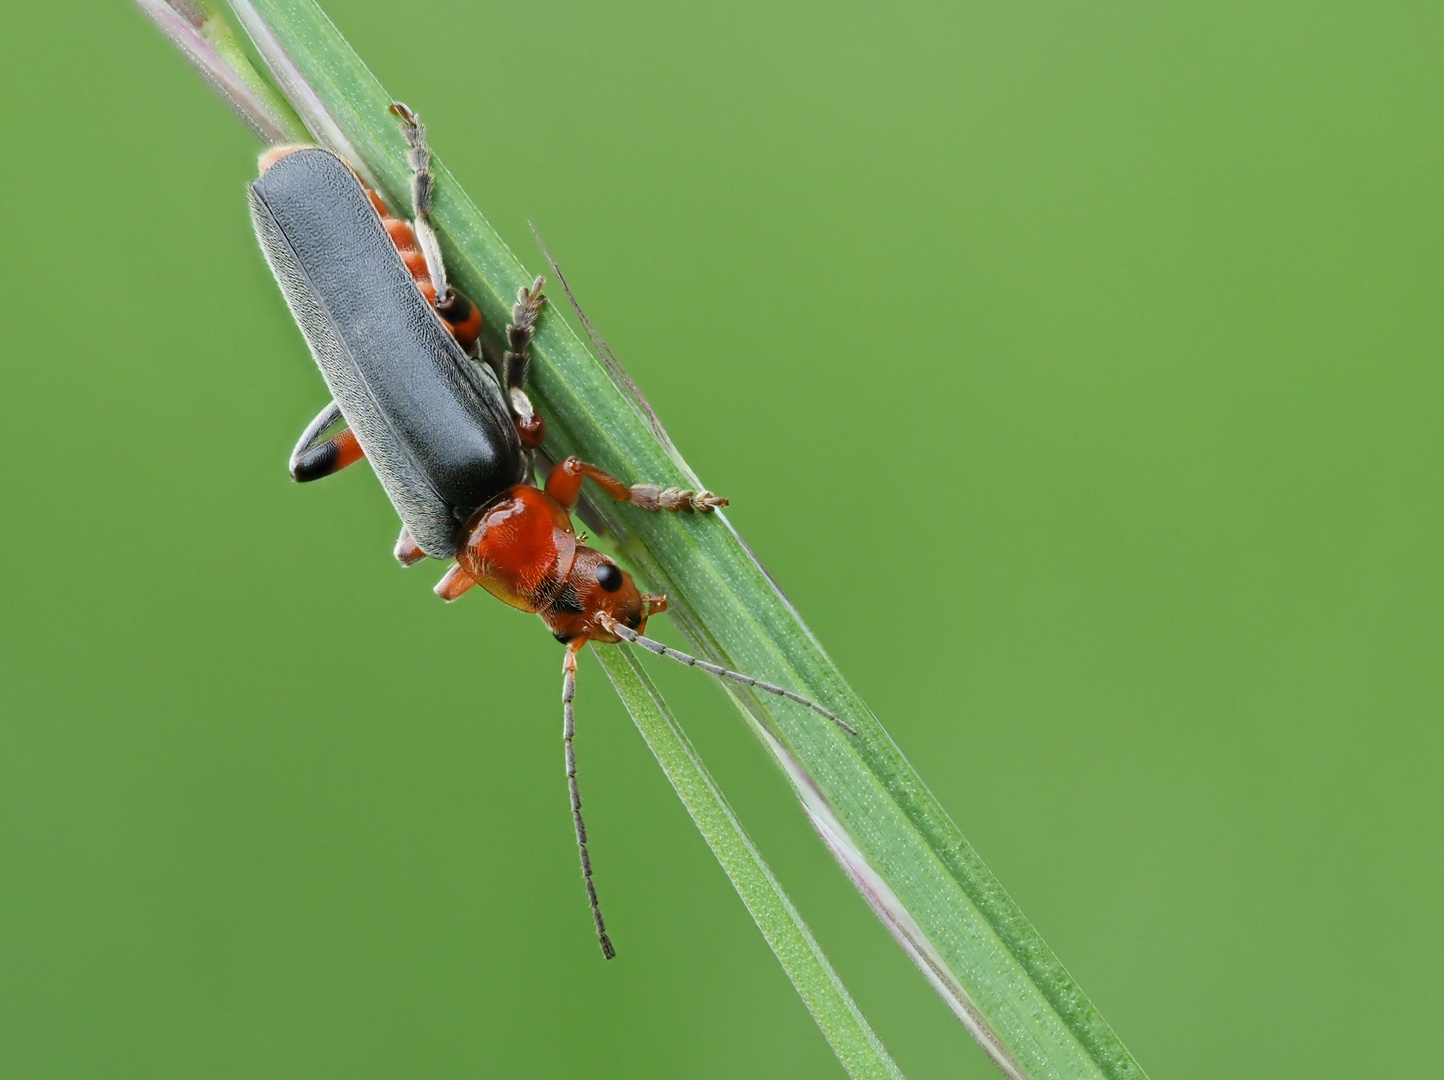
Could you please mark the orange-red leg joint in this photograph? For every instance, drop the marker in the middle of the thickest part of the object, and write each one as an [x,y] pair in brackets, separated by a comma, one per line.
[565,482]
[463,319]
[532,431]
[454,583]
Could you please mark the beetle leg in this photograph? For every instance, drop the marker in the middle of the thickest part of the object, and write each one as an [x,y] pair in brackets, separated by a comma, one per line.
[565,486]
[519,333]
[517,359]
[314,458]
[423,188]
[453,583]
[463,319]
[408,552]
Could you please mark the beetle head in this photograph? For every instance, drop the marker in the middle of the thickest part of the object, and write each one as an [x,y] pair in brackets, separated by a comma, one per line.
[595,587]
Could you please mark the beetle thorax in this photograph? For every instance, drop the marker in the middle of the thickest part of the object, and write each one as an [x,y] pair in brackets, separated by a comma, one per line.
[523,550]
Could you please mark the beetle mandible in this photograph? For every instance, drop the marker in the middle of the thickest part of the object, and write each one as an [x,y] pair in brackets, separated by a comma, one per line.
[446,425]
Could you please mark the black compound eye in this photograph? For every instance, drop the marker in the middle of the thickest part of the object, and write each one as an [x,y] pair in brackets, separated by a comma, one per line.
[609,577]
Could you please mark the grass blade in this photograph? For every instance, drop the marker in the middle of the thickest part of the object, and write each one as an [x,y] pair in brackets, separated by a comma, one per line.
[196,30]
[837,1015]
[854,1042]
[892,837]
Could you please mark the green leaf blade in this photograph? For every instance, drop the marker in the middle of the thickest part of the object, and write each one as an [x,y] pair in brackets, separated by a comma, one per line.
[895,840]
[851,1038]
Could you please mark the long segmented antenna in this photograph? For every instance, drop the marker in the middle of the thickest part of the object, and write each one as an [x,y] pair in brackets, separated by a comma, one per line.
[628,634]
[569,725]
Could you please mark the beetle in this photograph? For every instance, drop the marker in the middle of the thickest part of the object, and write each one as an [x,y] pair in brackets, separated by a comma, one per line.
[447,425]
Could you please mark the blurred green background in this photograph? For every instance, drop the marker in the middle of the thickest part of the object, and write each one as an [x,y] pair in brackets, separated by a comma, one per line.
[1075,368]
